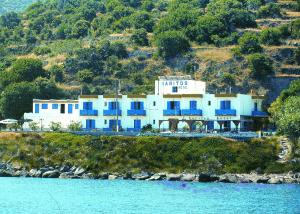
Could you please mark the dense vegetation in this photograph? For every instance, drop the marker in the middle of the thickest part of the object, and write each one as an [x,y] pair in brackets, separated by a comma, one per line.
[154,154]
[85,45]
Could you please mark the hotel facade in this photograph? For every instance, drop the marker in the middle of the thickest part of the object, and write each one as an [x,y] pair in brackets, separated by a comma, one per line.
[179,103]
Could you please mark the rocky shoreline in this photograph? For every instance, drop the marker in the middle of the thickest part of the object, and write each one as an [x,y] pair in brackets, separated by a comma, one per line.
[68,172]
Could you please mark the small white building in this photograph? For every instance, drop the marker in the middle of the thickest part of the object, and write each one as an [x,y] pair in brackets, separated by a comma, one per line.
[178,103]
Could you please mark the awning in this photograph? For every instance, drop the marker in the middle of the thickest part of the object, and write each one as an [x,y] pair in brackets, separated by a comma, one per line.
[8,121]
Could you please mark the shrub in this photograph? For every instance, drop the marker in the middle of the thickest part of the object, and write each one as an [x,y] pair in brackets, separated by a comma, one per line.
[228,79]
[260,65]
[172,43]
[85,76]
[297,55]
[270,10]
[75,126]
[270,36]
[295,29]
[249,43]
[33,126]
[55,126]
[42,50]
[139,37]
[147,128]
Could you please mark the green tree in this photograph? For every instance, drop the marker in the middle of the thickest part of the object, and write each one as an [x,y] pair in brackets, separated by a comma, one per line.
[27,70]
[16,99]
[139,37]
[270,36]
[228,79]
[249,43]
[33,126]
[80,29]
[260,65]
[297,55]
[75,126]
[295,29]
[57,73]
[270,10]
[285,111]
[142,20]
[85,76]
[47,89]
[10,20]
[172,43]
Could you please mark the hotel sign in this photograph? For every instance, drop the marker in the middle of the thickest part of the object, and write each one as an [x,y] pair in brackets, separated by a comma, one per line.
[181,84]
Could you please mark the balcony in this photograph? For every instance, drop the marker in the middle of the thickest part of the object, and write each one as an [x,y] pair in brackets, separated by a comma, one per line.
[225,112]
[191,112]
[134,112]
[86,112]
[259,114]
[172,112]
[134,129]
[112,112]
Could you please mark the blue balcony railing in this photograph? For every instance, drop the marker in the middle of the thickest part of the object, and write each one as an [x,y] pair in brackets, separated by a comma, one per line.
[134,112]
[259,114]
[112,112]
[172,112]
[134,129]
[191,112]
[86,112]
[225,112]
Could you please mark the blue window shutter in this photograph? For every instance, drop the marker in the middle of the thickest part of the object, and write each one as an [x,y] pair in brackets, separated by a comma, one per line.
[222,104]
[84,106]
[87,124]
[132,105]
[76,106]
[255,107]
[37,108]
[138,124]
[228,104]
[193,104]
[168,105]
[177,104]
[70,108]
[142,105]
[93,124]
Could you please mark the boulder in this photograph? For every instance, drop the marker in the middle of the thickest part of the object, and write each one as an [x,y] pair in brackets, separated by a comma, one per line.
[205,177]
[21,173]
[127,176]
[88,176]
[79,171]
[274,180]
[6,173]
[112,177]
[262,180]
[141,176]
[64,168]
[51,174]
[174,177]
[188,177]
[157,177]
[229,178]
[103,175]
[35,173]
[64,175]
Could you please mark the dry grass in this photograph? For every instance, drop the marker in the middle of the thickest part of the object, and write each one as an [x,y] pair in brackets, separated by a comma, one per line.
[287,75]
[290,66]
[214,54]
[68,87]
[28,56]
[278,47]
[292,14]
[10,136]
[56,60]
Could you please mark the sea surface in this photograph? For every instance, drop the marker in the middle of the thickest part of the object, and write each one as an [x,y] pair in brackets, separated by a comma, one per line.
[29,195]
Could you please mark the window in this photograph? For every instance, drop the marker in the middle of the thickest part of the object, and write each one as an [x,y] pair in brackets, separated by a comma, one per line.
[137,124]
[70,108]
[225,104]
[255,106]
[113,105]
[105,103]
[44,106]
[172,105]
[153,122]
[76,106]
[193,104]
[37,108]
[154,103]
[90,124]
[54,106]
[87,105]
[105,122]
[209,103]
[62,108]
[174,89]
[137,105]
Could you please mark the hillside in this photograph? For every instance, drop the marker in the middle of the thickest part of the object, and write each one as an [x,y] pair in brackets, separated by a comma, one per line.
[60,48]
[16,5]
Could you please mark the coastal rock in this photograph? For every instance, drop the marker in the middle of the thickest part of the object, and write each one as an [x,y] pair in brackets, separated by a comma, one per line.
[51,174]
[141,176]
[157,177]
[127,176]
[274,180]
[103,175]
[174,177]
[112,177]
[188,177]
[244,178]
[262,180]
[6,173]
[64,168]
[21,173]
[79,171]
[64,175]
[35,173]
[88,176]
[229,178]
[205,177]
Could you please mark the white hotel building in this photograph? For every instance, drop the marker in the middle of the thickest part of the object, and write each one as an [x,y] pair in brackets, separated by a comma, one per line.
[179,103]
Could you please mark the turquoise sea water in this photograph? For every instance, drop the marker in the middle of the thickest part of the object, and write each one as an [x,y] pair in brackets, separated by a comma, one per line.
[26,195]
